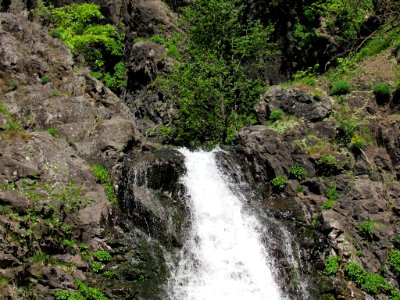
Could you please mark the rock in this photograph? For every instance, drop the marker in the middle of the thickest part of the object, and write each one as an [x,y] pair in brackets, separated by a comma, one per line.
[146,60]
[8,261]
[294,101]
[151,195]
[27,52]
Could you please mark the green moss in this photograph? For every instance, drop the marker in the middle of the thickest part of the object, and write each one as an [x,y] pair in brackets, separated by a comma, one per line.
[394,261]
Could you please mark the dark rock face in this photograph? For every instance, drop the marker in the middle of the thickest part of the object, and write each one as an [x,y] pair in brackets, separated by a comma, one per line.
[146,60]
[294,102]
[151,195]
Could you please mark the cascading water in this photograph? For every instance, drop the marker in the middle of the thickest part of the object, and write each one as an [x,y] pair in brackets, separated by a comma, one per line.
[223,257]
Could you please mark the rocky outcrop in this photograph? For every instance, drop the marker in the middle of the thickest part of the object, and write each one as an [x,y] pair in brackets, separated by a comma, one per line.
[152,196]
[294,101]
[54,213]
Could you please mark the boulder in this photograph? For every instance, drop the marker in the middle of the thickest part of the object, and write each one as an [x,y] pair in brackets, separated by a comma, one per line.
[294,101]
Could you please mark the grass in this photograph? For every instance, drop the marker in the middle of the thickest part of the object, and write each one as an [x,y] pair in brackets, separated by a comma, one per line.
[103,176]
[281,125]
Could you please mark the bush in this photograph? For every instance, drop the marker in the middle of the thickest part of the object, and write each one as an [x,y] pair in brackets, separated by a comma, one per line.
[358,142]
[298,172]
[78,26]
[370,283]
[394,261]
[101,255]
[279,182]
[328,164]
[210,82]
[97,266]
[366,229]
[341,87]
[276,115]
[332,265]
[382,92]
[347,129]
[103,176]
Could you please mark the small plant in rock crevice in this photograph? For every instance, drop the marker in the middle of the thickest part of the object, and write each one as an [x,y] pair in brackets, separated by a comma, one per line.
[279,182]
[366,229]
[332,265]
[298,172]
[103,176]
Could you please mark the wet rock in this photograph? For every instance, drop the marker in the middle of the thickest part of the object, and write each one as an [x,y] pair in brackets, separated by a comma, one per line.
[294,101]
[150,193]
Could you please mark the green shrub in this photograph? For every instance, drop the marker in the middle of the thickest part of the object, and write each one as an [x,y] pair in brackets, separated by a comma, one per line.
[279,182]
[370,283]
[328,164]
[366,229]
[110,274]
[157,39]
[89,293]
[44,79]
[54,132]
[103,176]
[331,192]
[101,255]
[67,295]
[394,261]
[78,26]
[347,129]
[118,80]
[358,142]
[210,82]
[298,172]
[382,92]
[332,265]
[101,173]
[341,87]
[97,266]
[276,115]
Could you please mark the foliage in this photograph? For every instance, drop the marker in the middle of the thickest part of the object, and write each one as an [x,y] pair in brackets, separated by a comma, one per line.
[116,81]
[366,229]
[332,265]
[84,292]
[97,266]
[67,295]
[332,195]
[78,27]
[370,283]
[157,39]
[344,18]
[358,142]
[211,83]
[279,182]
[328,163]
[276,115]
[103,176]
[44,79]
[109,274]
[382,91]
[12,124]
[280,126]
[347,129]
[394,261]
[298,172]
[54,132]
[101,255]
[341,87]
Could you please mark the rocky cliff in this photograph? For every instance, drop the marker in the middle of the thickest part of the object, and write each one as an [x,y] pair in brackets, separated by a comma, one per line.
[90,202]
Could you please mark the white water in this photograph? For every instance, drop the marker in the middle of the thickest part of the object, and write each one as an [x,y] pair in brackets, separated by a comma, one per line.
[223,257]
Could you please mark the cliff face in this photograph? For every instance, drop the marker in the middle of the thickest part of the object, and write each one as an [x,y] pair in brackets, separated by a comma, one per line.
[58,219]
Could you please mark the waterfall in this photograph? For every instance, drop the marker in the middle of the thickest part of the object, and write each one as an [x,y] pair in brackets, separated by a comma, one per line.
[223,256]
